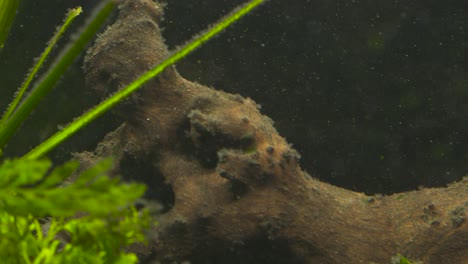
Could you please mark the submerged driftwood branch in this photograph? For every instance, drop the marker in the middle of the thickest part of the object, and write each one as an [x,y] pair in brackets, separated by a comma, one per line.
[232,186]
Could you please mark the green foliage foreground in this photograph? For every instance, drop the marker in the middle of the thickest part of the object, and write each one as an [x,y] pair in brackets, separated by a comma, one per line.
[29,190]
[27,193]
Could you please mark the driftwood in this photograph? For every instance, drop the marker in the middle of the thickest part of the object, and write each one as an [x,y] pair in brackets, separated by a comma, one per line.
[232,187]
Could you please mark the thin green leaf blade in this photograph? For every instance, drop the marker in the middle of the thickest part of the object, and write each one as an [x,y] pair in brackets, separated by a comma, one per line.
[51,77]
[106,105]
[7,14]
[71,15]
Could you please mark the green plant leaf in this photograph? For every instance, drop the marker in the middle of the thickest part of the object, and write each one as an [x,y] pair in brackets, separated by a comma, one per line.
[7,14]
[15,173]
[56,71]
[93,192]
[109,222]
[72,14]
[98,169]
[58,175]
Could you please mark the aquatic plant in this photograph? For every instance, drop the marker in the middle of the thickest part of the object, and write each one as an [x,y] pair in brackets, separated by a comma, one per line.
[400,259]
[28,191]
[7,13]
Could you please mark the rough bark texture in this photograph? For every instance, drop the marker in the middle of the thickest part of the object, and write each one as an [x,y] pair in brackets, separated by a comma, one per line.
[231,186]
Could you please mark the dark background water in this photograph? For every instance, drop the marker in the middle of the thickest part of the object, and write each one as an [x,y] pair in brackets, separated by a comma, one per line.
[373,94]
